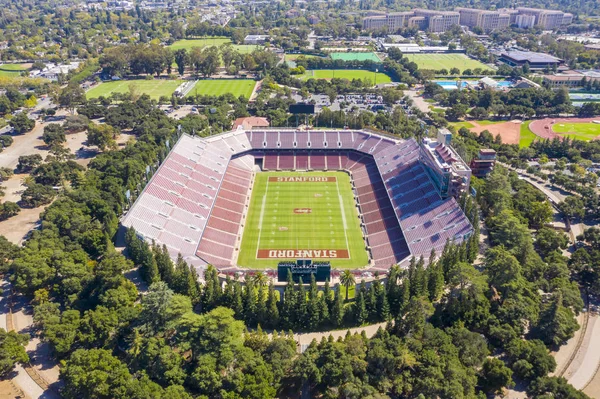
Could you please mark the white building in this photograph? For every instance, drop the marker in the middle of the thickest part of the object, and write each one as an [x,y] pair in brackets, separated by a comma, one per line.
[256,39]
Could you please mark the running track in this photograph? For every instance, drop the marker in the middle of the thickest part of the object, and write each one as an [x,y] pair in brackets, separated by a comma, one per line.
[543,127]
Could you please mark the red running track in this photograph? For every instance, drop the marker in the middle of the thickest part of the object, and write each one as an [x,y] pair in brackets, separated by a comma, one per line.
[543,127]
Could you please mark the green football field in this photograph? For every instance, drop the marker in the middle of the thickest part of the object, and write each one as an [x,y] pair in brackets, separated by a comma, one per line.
[313,216]
[154,88]
[375,77]
[355,57]
[435,62]
[579,131]
[218,87]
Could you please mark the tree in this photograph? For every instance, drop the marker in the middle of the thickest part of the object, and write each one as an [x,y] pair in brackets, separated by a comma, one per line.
[12,350]
[347,279]
[572,207]
[21,123]
[557,323]
[554,387]
[36,195]
[103,136]
[8,209]
[71,96]
[54,134]
[29,162]
[181,59]
[494,376]
[94,374]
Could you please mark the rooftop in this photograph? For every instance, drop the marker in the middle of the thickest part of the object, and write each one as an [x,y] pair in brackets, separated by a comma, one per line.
[530,56]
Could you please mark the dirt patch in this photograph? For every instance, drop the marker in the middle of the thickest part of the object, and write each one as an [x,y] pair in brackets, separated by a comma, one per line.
[510,132]
[283,228]
[8,390]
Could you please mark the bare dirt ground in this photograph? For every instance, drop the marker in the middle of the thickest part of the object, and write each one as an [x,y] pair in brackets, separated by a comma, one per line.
[510,132]
[8,390]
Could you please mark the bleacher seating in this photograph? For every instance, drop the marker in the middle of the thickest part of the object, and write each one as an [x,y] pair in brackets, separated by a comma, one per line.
[196,200]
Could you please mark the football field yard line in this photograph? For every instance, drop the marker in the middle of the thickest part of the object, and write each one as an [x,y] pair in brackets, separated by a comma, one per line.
[343,210]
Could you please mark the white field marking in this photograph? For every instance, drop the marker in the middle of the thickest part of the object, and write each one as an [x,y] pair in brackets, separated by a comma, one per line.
[260,219]
[337,185]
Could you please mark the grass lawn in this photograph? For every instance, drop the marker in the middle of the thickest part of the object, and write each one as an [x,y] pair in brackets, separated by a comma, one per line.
[458,125]
[436,62]
[345,74]
[201,42]
[11,70]
[218,87]
[302,219]
[487,122]
[294,57]
[154,88]
[527,136]
[579,131]
[246,48]
[355,57]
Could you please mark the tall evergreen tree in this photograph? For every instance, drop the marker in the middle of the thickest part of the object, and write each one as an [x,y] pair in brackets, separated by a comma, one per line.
[337,311]
[272,316]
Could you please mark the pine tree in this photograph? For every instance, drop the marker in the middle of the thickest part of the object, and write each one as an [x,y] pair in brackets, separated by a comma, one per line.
[313,315]
[249,302]
[301,306]
[288,307]
[404,295]
[164,263]
[238,304]
[337,311]
[211,294]
[148,267]
[323,311]
[393,290]
[360,310]
[272,308]
[193,288]
[261,305]
[228,293]
[436,282]
[371,302]
[383,307]
[328,295]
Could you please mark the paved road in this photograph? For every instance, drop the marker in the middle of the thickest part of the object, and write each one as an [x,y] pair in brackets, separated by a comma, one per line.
[418,101]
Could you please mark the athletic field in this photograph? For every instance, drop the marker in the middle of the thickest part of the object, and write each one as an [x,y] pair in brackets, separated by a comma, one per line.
[11,70]
[154,88]
[302,215]
[355,57]
[218,87]
[435,62]
[202,42]
[188,44]
[346,74]
[580,131]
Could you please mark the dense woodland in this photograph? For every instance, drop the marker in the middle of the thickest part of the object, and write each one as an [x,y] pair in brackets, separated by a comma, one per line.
[183,338]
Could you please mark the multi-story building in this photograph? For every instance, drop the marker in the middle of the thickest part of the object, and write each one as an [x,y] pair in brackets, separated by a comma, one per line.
[524,21]
[438,21]
[449,173]
[571,79]
[547,19]
[434,21]
[484,163]
[486,20]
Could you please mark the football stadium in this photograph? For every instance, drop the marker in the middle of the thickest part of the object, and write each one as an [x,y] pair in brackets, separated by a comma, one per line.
[251,199]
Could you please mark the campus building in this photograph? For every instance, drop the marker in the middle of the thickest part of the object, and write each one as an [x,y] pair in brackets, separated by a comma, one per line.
[536,61]
[484,164]
[571,79]
[484,19]
[547,19]
[448,172]
[434,21]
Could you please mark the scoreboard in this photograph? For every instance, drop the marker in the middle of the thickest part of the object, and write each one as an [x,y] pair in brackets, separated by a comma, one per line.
[304,268]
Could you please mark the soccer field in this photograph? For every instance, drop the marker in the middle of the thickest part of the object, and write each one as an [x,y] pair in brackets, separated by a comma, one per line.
[579,131]
[355,57]
[11,70]
[435,62]
[312,216]
[346,74]
[154,88]
[218,87]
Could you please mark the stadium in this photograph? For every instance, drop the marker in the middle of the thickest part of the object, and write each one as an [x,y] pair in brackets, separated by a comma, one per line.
[249,199]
